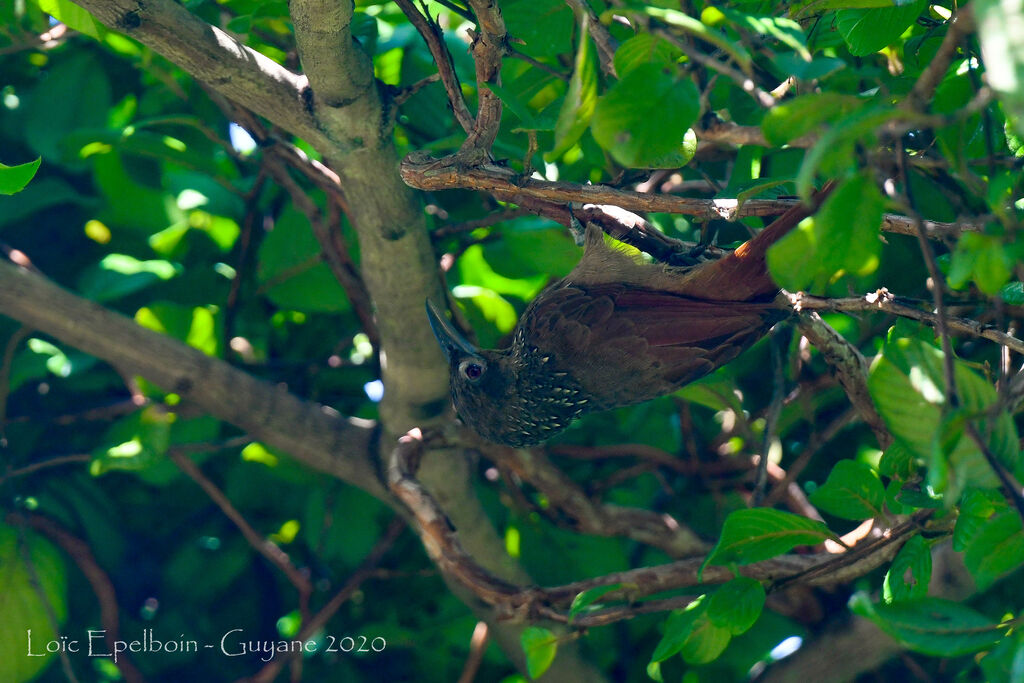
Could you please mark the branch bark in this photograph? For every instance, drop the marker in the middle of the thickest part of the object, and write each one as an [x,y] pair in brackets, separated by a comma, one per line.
[314,434]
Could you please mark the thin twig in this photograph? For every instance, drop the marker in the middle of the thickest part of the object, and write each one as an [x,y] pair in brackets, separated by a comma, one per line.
[260,544]
[884,302]
[477,646]
[430,30]
[602,38]
[311,625]
[79,551]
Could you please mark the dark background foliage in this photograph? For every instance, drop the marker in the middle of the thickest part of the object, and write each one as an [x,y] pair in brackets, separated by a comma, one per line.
[222,204]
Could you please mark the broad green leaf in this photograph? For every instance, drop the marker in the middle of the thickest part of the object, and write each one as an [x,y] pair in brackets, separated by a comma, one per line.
[291,268]
[985,259]
[76,94]
[909,573]
[644,48]
[791,119]
[907,384]
[34,581]
[1001,32]
[119,275]
[528,119]
[705,642]
[475,269]
[977,506]
[545,27]
[74,17]
[540,647]
[678,627]
[869,30]
[194,325]
[932,626]
[588,597]
[644,119]
[996,547]
[898,461]
[759,534]
[1006,660]
[842,237]
[135,442]
[694,27]
[852,491]
[782,29]
[806,70]
[15,178]
[737,605]
[580,100]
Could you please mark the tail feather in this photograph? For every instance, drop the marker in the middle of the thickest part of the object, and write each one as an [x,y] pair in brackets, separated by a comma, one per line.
[743,274]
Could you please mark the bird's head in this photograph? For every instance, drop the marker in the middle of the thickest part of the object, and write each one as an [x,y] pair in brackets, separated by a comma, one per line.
[480,381]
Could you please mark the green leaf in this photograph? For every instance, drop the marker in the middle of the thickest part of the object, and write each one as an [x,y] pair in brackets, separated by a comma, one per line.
[15,178]
[1006,660]
[291,268]
[909,573]
[869,30]
[1001,32]
[119,275]
[806,70]
[135,442]
[898,461]
[678,627]
[705,642]
[801,115]
[842,237]
[982,258]
[694,27]
[852,491]
[588,597]
[644,119]
[194,325]
[737,604]
[34,581]
[544,26]
[977,506]
[759,534]
[74,95]
[74,17]
[907,385]
[540,647]
[996,547]
[932,626]
[642,49]
[580,100]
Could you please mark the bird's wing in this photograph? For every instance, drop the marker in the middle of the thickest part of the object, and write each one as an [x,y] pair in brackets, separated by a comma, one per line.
[641,342]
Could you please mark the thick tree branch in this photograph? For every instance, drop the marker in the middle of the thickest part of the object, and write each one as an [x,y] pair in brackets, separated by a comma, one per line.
[425,173]
[850,368]
[215,57]
[339,71]
[488,48]
[315,435]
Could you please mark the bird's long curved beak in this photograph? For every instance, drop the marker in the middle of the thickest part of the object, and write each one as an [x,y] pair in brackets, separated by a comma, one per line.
[450,339]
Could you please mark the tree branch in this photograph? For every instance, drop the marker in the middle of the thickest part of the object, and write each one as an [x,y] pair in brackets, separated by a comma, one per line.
[217,58]
[339,71]
[883,301]
[313,434]
[425,173]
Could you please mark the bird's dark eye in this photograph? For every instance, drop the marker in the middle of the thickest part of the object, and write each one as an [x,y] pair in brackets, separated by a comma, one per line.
[471,370]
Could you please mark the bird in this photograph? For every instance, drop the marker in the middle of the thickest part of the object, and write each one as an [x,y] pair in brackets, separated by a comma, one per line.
[615,331]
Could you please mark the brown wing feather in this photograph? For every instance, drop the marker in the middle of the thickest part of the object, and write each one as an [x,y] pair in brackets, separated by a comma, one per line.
[630,344]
